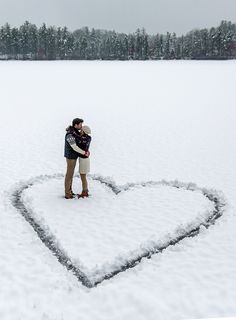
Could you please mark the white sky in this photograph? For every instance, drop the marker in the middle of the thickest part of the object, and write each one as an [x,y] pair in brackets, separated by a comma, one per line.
[178,16]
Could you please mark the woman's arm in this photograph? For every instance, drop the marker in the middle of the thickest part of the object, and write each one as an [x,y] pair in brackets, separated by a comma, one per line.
[77,149]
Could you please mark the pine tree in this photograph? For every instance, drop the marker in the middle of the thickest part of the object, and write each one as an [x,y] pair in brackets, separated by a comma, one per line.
[5,40]
[204,43]
[145,45]
[157,47]
[93,45]
[52,43]
[15,45]
[131,47]
[25,39]
[43,42]
[196,44]
[125,47]
[138,45]
[33,40]
[167,46]
[173,46]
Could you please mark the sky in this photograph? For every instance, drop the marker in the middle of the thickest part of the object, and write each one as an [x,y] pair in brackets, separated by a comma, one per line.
[156,16]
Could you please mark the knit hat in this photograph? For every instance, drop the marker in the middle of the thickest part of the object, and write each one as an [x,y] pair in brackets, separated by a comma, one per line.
[86,129]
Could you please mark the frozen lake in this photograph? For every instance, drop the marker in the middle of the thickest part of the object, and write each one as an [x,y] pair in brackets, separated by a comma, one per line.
[150,121]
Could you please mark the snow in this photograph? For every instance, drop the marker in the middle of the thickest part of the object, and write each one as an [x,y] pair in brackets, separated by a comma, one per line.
[150,121]
[106,229]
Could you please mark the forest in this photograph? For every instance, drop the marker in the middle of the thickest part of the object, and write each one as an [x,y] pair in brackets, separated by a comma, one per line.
[29,42]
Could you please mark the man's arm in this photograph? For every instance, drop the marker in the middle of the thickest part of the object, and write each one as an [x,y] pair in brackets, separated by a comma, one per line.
[71,139]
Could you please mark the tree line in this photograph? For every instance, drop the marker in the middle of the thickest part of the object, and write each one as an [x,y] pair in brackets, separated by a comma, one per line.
[56,43]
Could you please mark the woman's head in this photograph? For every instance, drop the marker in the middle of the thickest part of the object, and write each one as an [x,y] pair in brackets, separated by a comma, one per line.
[86,129]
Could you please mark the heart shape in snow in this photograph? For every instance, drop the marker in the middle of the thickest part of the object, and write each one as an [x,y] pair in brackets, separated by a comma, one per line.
[114,229]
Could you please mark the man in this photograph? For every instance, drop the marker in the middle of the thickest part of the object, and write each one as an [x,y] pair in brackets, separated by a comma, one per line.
[71,154]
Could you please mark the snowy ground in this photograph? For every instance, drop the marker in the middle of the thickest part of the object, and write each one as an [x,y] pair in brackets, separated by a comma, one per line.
[150,121]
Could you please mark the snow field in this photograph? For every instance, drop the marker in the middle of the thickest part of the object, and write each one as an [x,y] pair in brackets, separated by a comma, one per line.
[150,121]
[101,232]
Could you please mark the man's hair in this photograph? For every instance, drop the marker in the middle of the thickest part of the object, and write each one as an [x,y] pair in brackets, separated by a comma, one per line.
[77,121]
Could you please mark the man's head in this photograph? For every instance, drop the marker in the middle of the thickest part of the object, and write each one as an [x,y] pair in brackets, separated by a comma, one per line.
[77,123]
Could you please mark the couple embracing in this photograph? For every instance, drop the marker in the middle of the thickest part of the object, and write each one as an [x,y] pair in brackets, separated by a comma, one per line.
[77,142]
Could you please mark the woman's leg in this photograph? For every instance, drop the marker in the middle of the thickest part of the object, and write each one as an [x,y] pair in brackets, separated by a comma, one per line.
[84,166]
[83,177]
[84,181]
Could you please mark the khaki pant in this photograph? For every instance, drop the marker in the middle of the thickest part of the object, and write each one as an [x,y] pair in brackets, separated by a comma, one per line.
[71,163]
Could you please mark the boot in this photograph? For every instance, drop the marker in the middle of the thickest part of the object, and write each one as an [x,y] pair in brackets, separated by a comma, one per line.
[83,194]
[70,196]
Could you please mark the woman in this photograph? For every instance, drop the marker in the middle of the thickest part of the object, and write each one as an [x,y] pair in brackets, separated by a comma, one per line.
[84,162]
